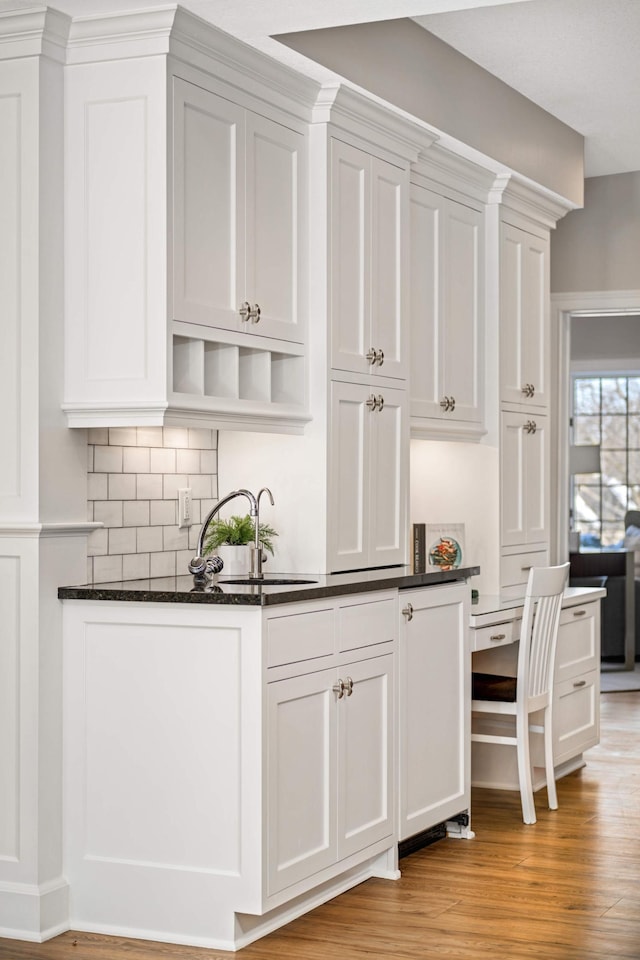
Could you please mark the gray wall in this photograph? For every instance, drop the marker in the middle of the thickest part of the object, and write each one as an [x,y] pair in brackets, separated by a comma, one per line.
[411,68]
[605,338]
[598,248]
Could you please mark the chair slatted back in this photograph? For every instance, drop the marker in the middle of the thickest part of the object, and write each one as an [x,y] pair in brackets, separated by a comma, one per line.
[538,637]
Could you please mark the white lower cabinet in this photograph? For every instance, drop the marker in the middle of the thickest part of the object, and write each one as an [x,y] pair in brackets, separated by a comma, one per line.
[227,767]
[434,706]
[329,783]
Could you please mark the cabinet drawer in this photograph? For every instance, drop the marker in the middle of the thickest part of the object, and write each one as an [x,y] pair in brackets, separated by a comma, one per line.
[576,716]
[300,636]
[365,622]
[487,638]
[514,571]
[578,641]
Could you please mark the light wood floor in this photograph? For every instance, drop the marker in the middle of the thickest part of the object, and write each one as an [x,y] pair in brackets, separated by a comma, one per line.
[567,888]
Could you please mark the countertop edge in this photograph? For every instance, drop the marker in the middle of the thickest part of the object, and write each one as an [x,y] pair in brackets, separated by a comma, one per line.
[332,585]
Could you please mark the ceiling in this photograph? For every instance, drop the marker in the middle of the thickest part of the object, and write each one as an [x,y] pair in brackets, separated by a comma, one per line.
[577,59]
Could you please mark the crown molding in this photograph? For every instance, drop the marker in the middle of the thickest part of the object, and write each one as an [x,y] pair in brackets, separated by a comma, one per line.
[441,168]
[529,201]
[39,531]
[34,32]
[359,115]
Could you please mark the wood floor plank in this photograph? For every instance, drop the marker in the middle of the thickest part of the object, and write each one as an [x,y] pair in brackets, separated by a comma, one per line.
[566,888]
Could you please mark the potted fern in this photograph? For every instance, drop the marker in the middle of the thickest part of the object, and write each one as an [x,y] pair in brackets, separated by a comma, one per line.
[231,540]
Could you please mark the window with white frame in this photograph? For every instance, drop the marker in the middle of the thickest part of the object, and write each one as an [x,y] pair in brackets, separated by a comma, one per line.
[606,412]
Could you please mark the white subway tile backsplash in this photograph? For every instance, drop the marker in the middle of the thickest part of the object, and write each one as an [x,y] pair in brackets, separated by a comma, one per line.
[108,513]
[97,486]
[187,461]
[163,460]
[175,539]
[201,439]
[208,462]
[162,513]
[174,482]
[135,513]
[135,566]
[134,474]
[136,460]
[122,540]
[201,488]
[106,569]
[162,565]
[107,460]
[98,542]
[175,437]
[149,540]
[123,436]
[149,436]
[122,486]
[149,486]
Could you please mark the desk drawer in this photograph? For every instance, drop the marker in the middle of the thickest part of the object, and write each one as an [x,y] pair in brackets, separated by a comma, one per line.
[578,641]
[487,638]
[576,716]
[514,571]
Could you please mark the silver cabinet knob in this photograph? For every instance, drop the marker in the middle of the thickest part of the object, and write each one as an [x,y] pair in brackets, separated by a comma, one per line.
[339,689]
[380,401]
[372,403]
[380,358]
[348,686]
[408,612]
[448,404]
[528,390]
[245,311]
[254,313]
[372,356]
[530,426]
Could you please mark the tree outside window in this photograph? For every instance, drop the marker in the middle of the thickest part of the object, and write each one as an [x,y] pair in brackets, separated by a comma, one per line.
[606,411]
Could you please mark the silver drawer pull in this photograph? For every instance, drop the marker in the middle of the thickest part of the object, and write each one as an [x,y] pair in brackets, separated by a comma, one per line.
[580,683]
[498,636]
[579,613]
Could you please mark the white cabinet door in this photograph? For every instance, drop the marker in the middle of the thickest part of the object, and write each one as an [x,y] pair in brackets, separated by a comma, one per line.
[368,256]
[208,207]
[329,769]
[275,189]
[446,313]
[434,706]
[389,257]
[238,188]
[524,484]
[524,317]
[302,718]
[367,477]
[365,754]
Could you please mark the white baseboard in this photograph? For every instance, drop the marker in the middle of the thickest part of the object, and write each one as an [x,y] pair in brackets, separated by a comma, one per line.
[34,912]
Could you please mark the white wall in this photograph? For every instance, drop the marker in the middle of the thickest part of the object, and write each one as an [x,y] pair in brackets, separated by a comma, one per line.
[459,483]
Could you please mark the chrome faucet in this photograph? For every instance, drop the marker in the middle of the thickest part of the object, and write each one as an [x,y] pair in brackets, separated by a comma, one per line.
[200,566]
[257,554]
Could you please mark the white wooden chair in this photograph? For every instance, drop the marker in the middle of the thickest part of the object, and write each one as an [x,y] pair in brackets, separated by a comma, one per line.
[532,689]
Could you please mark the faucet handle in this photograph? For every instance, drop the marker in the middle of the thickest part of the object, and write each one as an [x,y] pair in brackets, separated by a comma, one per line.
[197,566]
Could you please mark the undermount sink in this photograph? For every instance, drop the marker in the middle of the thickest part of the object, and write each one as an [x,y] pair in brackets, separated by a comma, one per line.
[264,581]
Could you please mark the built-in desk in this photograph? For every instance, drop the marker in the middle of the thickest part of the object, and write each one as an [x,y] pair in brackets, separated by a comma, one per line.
[494,625]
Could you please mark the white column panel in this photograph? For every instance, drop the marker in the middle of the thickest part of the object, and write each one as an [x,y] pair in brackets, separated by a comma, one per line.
[9,706]
[116,231]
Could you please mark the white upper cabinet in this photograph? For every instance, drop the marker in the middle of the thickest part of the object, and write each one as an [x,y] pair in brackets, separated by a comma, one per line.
[368,476]
[368,259]
[524,316]
[238,202]
[185,228]
[525,478]
[447,316]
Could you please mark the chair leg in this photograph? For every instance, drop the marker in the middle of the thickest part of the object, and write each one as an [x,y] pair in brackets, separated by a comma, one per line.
[548,761]
[524,771]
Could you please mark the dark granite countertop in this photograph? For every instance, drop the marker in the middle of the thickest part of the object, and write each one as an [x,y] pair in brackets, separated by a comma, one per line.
[182,589]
